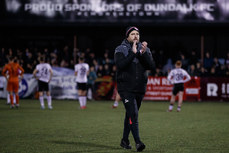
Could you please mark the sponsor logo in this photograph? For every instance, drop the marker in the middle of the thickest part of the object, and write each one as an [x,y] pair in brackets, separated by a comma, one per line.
[126,100]
[192,91]
[212,89]
[23,88]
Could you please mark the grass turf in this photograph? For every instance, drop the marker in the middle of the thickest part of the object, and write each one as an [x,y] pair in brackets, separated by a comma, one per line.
[201,127]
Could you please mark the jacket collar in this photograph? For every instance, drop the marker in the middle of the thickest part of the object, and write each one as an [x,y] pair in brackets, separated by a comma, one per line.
[125,42]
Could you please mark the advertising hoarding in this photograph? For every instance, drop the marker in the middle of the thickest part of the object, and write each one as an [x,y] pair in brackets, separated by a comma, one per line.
[115,11]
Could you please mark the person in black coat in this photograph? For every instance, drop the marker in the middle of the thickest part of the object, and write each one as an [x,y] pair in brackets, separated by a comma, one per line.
[132,59]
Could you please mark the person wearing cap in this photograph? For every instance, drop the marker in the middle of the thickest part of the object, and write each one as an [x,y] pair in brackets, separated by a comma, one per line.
[132,59]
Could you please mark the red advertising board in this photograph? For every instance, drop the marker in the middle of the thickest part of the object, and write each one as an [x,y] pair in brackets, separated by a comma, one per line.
[192,89]
[214,88]
[159,88]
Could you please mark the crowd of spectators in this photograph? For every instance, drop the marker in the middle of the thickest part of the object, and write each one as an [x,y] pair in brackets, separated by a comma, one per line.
[209,66]
[104,64]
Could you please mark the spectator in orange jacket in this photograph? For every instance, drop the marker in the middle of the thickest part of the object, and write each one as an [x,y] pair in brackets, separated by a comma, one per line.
[11,72]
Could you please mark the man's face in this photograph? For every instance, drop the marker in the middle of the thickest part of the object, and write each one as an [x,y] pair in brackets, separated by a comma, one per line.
[133,36]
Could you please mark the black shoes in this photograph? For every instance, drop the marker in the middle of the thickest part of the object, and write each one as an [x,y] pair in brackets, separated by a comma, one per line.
[140,146]
[12,106]
[125,144]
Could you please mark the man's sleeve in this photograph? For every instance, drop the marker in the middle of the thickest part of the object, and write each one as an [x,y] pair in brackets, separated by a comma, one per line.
[188,77]
[121,60]
[4,71]
[22,70]
[147,60]
[169,77]
[50,68]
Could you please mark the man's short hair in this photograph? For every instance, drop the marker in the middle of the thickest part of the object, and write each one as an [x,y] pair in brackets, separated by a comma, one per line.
[81,59]
[11,58]
[42,59]
[178,63]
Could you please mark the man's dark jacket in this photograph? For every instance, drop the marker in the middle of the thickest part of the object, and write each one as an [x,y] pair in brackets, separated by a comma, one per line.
[131,68]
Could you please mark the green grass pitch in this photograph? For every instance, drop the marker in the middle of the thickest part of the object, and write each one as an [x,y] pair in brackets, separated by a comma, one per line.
[201,127]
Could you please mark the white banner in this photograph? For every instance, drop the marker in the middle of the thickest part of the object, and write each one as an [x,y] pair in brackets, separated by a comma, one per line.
[27,86]
[62,85]
[3,91]
[116,11]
